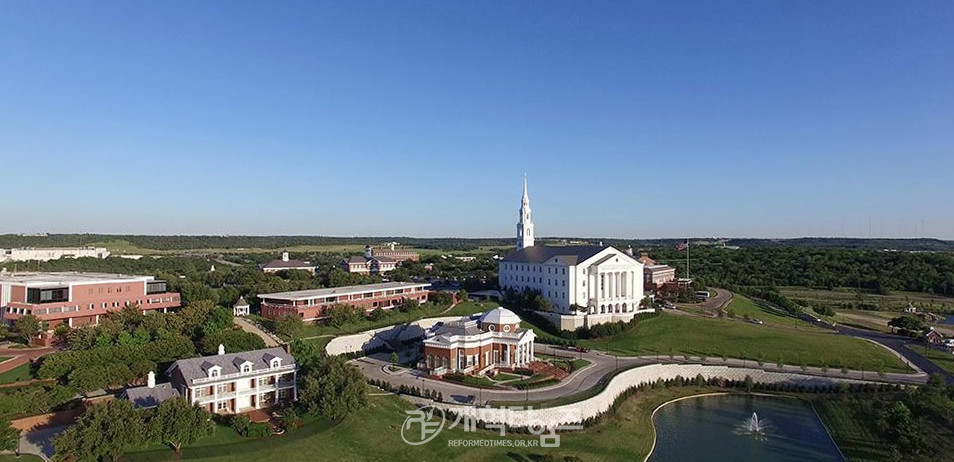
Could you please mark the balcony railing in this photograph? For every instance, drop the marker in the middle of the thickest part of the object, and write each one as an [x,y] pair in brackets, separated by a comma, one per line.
[236,375]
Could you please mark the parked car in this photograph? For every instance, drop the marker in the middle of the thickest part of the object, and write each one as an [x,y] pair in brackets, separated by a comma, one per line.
[756,321]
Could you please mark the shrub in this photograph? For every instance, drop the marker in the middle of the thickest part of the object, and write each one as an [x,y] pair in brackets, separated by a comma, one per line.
[258,430]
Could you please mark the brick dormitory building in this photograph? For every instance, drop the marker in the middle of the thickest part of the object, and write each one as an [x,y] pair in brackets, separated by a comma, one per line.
[78,299]
[312,304]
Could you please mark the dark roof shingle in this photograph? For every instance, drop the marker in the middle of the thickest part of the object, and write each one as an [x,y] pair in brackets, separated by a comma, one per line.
[540,254]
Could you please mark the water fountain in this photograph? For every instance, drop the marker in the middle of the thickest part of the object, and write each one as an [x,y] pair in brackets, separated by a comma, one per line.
[755,427]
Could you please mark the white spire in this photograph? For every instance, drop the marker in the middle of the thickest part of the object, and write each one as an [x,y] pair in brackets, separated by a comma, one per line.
[526,197]
[151,380]
[525,225]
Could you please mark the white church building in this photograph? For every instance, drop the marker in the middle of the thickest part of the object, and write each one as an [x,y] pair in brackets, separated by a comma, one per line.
[586,285]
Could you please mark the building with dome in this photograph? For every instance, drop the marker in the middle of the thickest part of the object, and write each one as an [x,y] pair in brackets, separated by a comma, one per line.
[585,285]
[478,344]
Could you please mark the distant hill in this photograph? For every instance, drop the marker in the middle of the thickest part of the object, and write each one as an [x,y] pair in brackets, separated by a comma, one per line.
[172,243]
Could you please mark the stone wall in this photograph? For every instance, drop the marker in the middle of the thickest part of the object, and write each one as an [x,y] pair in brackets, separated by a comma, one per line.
[592,407]
[369,340]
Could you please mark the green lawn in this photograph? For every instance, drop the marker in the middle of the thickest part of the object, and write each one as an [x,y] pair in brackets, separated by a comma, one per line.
[17,374]
[566,362]
[944,360]
[503,376]
[844,297]
[849,430]
[675,334]
[374,433]
[472,380]
[741,306]
[22,458]
[534,381]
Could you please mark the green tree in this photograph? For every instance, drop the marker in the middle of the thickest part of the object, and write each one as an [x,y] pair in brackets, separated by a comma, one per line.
[394,357]
[340,314]
[9,436]
[332,388]
[28,326]
[105,431]
[175,423]
[233,340]
[289,326]
[409,304]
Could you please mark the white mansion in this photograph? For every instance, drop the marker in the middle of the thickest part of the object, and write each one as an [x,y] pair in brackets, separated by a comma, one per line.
[586,285]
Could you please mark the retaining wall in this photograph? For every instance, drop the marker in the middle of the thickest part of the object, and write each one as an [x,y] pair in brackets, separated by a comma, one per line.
[369,340]
[592,407]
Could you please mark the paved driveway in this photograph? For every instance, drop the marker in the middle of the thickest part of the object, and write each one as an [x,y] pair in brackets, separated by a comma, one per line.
[247,326]
[40,442]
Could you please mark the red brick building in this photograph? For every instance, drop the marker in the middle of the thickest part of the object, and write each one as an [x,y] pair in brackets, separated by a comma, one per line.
[475,346]
[78,299]
[312,304]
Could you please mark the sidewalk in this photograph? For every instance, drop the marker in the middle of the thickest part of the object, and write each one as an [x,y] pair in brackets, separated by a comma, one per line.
[248,326]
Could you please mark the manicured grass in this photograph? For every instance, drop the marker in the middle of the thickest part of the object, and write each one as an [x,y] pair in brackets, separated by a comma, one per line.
[17,374]
[741,306]
[503,376]
[534,381]
[22,458]
[568,363]
[685,335]
[374,433]
[851,433]
[943,359]
[472,380]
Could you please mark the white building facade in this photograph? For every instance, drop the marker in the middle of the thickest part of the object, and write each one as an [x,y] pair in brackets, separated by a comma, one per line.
[30,253]
[237,382]
[585,285]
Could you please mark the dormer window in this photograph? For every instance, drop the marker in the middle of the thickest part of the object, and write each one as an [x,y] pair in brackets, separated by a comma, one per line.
[246,368]
[275,362]
[214,372]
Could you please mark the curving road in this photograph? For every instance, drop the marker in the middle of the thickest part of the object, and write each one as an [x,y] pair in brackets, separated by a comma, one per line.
[900,345]
[376,367]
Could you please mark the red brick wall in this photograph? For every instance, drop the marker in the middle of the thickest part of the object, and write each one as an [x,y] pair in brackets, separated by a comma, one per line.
[278,311]
[118,294]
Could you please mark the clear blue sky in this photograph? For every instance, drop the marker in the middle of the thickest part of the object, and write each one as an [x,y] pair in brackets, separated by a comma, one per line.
[632,119]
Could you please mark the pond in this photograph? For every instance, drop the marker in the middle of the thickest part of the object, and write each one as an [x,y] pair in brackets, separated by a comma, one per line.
[723,428]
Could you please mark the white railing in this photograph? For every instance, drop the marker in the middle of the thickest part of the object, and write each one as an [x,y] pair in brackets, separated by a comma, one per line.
[235,375]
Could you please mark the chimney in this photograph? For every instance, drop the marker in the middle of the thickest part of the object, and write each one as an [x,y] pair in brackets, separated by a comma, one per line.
[284,256]
[629,251]
[151,380]
[392,246]
[368,253]
[221,349]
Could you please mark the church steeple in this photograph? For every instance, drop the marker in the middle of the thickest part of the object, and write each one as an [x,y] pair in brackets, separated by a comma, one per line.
[525,225]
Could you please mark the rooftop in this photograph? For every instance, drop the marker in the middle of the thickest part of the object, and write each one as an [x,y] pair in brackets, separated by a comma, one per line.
[336,291]
[145,397]
[67,277]
[539,254]
[197,368]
